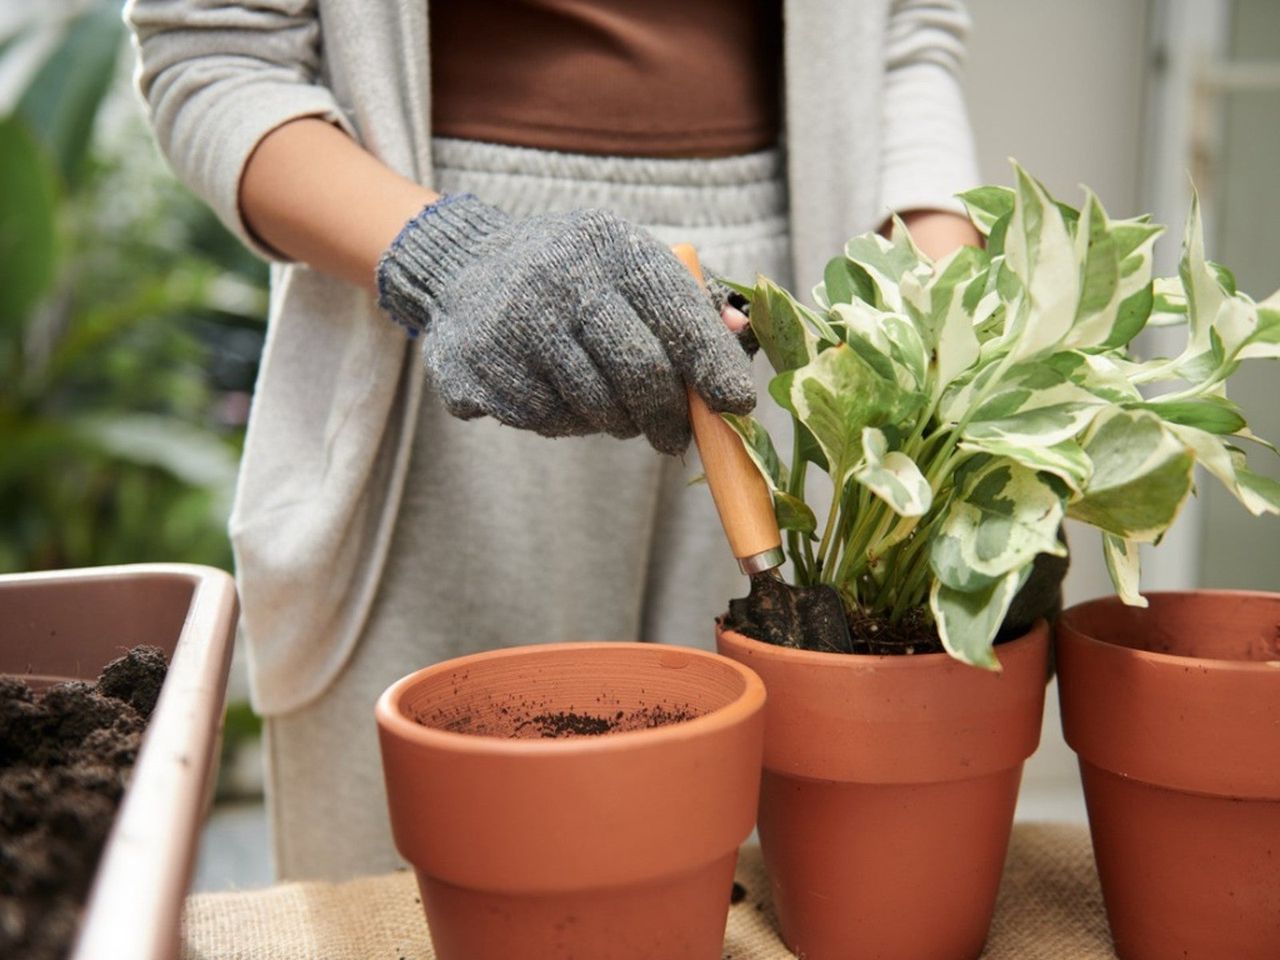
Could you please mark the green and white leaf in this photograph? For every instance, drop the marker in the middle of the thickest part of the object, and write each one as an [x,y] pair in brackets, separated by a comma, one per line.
[1264,340]
[1036,406]
[1142,474]
[759,446]
[1200,285]
[1169,303]
[951,323]
[930,295]
[776,322]
[1040,252]
[1263,488]
[835,395]
[1065,460]
[969,621]
[1099,374]
[892,476]
[1216,414]
[891,336]
[984,296]
[1006,516]
[843,281]
[818,322]
[1229,466]
[793,513]
[986,205]
[884,262]
[1247,330]
[1124,561]
[1115,296]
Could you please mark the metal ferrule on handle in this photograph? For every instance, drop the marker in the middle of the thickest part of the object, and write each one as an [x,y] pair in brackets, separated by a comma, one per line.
[760,562]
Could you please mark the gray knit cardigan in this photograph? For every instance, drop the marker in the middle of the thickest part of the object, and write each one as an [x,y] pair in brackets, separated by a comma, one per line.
[874,123]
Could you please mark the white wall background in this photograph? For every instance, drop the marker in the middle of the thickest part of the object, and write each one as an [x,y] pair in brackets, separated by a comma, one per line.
[1241,551]
[1081,93]
[1060,86]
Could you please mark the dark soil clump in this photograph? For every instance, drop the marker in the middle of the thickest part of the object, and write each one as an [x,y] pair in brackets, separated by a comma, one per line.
[565,724]
[570,724]
[914,633]
[520,722]
[65,758]
[867,634]
[786,617]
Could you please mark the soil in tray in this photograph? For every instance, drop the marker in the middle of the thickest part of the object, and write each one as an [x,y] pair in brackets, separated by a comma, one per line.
[65,757]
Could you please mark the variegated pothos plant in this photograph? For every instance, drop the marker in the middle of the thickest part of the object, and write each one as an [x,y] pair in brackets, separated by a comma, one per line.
[962,408]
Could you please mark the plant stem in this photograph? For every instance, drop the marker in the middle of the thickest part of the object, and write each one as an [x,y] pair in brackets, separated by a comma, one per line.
[823,547]
[798,545]
[905,599]
[943,461]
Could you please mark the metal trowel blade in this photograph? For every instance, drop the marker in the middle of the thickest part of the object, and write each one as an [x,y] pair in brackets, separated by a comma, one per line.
[808,618]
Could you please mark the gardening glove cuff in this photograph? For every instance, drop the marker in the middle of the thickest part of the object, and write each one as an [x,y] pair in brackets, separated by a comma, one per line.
[432,249]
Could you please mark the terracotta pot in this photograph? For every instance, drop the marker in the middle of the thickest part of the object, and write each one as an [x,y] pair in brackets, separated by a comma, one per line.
[888,793]
[620,845]
[66,625]
[1174,712]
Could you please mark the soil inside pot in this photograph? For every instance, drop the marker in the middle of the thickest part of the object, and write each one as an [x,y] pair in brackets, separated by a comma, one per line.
[65,757]
[569,724]
[915,632]
[536,722]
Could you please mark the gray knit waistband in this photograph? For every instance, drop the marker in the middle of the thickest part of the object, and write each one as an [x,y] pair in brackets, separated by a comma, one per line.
[677,193]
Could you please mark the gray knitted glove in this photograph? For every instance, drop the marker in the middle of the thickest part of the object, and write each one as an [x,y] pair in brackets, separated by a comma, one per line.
[565,324]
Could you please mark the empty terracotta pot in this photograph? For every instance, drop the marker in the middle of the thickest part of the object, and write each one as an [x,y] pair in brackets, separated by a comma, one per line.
[574,800]
[888,793]
[1174,712]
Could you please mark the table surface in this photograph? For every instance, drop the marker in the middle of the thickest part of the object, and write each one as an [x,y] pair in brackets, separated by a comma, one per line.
[1049,908]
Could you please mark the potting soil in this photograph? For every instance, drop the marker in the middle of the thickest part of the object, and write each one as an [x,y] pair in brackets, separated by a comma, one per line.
[525,722]
[65,757]
[915,632]
[569,724]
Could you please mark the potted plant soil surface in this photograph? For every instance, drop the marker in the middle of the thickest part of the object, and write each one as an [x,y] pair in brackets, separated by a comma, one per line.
[961,409]
[1174,711]
[574,800]
[106,754]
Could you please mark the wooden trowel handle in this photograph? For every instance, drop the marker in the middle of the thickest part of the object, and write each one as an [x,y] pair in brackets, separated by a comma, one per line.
[742,497]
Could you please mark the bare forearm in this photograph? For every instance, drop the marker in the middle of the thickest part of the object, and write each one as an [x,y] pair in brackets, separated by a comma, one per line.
[315,195]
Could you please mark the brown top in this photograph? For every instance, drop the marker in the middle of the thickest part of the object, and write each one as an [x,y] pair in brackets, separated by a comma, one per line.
[659,78]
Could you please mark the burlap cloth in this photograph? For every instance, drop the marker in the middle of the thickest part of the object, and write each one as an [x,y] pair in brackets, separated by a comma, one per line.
[1049,908]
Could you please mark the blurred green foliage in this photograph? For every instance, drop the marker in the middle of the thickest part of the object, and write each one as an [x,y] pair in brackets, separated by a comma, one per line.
[130,322]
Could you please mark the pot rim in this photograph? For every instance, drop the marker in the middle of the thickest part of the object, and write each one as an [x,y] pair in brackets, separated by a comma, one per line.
[391,717]
[896,661]
[1066,629]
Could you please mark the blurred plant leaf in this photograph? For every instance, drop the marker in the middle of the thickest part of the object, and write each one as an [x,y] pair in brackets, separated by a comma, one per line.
[195,458]
[61,103]
[28,231]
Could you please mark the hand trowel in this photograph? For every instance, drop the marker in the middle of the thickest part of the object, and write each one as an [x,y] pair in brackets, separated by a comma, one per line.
[774,611]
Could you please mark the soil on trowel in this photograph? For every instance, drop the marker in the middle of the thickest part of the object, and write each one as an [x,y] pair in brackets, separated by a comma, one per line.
[65,757]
